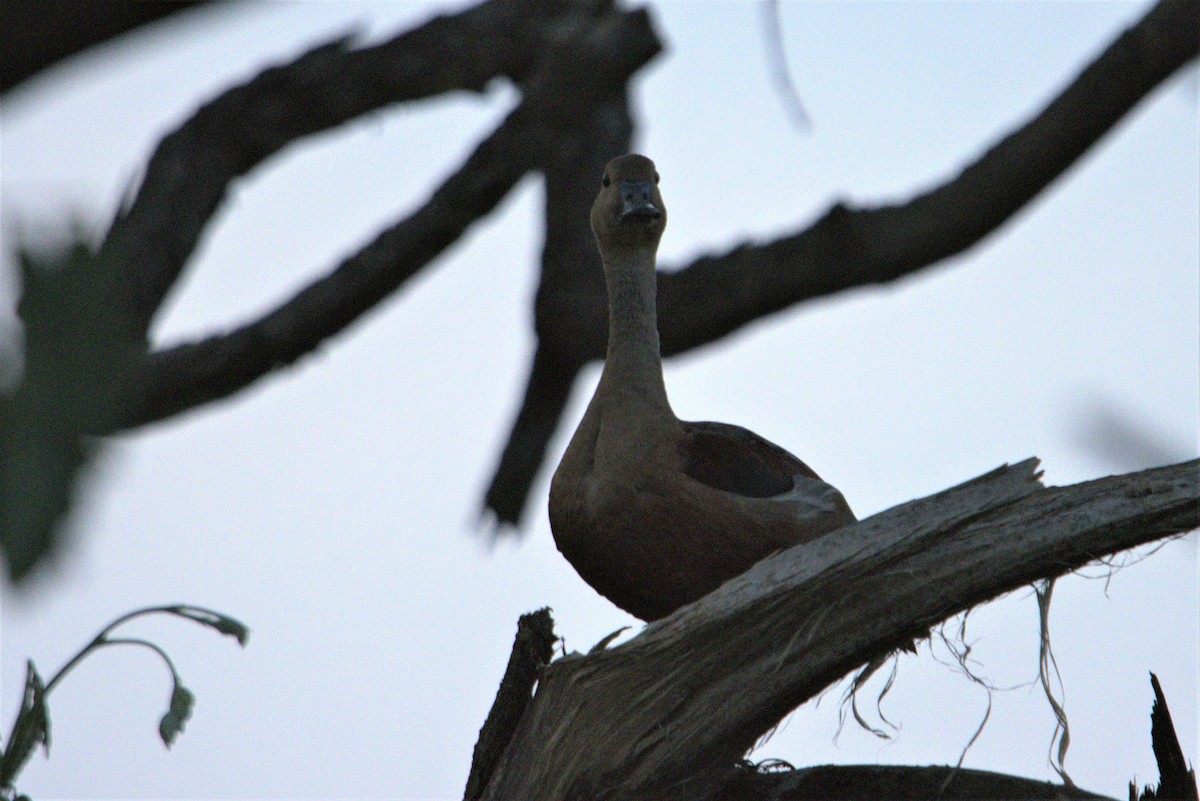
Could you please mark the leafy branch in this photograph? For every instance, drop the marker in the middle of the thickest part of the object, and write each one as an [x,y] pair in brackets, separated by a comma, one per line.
[32,726]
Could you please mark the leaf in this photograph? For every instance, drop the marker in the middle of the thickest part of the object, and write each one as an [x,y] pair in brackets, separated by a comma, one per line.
[171,724]
[43,711]
[31,727]
[41,467]
[224,624]
[80,347]
[233,628]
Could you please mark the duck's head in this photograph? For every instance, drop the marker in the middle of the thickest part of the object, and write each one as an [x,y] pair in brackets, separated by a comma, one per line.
[629,212]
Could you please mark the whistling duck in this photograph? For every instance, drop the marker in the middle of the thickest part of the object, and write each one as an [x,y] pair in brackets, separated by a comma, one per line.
[652,511]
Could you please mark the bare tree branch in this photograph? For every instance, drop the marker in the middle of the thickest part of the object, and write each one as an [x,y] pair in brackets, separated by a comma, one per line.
[571,276]
[1176,779]
[188,175]
[847,248]
[546,395]
[573,79]
[667,714]
[569,87]
[531,651]
[39,33]
[572,59]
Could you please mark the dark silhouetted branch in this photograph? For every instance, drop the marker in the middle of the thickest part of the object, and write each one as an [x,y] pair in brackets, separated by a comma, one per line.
[531,651]
[563,90]
[668,713]
[573,77]
[849,248]
[39,33]
[546,395]
[188,175]
[1176,779]
[570,303]
[572,60]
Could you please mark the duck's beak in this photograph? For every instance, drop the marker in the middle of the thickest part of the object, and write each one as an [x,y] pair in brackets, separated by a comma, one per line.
[636,201]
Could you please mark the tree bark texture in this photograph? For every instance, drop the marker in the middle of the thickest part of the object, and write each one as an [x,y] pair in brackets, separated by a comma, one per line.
[532,649]
[668,713]
[1176,778]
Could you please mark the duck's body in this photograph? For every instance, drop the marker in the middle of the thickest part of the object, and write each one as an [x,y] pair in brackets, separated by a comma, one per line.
[652,511]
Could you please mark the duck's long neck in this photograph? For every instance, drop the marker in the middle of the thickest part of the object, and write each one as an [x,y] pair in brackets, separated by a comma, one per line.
[633,364]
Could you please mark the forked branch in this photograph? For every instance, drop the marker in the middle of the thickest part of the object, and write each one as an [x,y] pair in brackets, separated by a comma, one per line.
[852,247]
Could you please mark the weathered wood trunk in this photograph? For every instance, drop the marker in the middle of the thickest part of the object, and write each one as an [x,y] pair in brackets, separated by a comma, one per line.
[667,714]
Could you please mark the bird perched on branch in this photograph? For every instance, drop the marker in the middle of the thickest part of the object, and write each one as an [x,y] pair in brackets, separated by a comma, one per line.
[652,511]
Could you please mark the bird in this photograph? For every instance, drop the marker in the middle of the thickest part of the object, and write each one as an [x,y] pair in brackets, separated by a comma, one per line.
[652,511]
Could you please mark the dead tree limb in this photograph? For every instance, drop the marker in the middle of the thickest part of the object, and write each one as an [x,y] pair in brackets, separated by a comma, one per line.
[570,271]
[848,247]
[668,713]
[39,33]
[574,80]
[1176,779]
[188,175]
[851,247]
[531,651]
[572,60]
[576,56]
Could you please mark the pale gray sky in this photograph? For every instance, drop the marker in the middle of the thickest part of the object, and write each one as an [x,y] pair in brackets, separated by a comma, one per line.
[332,508]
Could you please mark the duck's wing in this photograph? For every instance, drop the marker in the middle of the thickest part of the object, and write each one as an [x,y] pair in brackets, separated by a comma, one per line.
[736,460]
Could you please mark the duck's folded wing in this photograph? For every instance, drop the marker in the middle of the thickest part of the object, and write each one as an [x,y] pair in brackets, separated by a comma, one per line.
[736,460]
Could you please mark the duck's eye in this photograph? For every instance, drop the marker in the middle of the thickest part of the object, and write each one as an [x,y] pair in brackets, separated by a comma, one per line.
[656,177]
[605,180]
